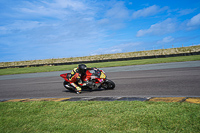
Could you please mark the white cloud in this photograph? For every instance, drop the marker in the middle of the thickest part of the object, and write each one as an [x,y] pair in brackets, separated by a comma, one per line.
[73,4]
[38,10]
[167,26]
[50,26]
[118,11]
[166,40]
[114,17]
[194,21]
[149,11]
[54,9]
[186,11]
[127,47]
[19,26]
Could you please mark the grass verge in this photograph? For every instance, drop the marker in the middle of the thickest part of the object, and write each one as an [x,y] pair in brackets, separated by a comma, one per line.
[99,116]
[9,71]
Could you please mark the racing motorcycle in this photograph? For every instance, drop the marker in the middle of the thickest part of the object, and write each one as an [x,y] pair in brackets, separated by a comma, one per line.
[94,79]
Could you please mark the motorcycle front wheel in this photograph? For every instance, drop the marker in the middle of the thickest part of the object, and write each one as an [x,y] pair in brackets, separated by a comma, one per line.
[108,85]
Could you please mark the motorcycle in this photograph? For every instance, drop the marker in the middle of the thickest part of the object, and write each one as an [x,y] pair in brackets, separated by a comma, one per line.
[93,79]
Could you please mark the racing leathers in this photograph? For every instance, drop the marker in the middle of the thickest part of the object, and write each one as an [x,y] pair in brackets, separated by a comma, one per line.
[76,78]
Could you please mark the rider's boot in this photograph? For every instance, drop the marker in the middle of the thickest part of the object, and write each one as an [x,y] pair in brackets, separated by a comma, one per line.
[78,90]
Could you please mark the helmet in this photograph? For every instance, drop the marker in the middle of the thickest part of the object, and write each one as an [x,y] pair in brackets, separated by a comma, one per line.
[82,68]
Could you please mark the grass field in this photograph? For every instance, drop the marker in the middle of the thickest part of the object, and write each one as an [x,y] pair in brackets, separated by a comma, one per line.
[98,65]
[99,117]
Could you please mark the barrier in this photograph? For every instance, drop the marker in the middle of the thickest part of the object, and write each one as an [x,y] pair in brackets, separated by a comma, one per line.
[106,60]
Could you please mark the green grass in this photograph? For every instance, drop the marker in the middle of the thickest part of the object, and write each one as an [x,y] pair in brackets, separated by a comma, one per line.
[99,117]
[98,65]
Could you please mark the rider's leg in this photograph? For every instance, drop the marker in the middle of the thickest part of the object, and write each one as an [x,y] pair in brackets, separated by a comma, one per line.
[74,79]
[77,88]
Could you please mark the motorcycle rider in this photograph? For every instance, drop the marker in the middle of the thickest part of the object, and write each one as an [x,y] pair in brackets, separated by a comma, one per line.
[76,75]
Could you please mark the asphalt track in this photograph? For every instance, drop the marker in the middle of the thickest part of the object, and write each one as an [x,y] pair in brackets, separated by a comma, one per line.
[181,79]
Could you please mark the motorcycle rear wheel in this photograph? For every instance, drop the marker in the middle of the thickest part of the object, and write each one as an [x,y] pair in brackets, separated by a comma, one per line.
[108,85]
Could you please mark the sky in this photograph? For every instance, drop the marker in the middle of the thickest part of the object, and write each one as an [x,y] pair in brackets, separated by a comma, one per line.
[49,29]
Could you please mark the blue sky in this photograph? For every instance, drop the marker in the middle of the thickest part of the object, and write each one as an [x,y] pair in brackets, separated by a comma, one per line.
[44,29]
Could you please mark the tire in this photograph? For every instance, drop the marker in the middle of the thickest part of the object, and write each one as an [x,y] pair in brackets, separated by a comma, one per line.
[108,85]
[70,88]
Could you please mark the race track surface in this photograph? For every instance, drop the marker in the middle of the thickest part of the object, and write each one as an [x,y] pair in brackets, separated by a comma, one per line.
[156,80]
